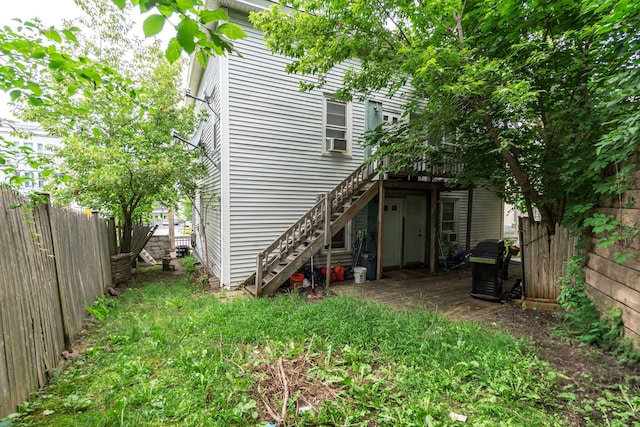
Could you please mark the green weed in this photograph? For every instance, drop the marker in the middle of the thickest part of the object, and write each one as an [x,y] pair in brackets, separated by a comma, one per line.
[583,321]
[189,263]
[101,307]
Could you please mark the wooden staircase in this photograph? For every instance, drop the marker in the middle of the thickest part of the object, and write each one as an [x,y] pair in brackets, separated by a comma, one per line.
[289,252]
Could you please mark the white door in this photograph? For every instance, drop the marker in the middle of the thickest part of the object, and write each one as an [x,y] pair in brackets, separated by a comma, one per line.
[415,230]
[392,233]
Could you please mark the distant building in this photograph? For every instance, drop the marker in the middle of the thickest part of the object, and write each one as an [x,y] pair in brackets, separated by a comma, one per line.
[28,138]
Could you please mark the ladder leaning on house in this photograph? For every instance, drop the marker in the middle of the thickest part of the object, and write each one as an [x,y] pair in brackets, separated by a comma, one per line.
[294,247]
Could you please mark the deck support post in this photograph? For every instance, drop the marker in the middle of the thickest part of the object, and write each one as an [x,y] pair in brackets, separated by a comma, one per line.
[327,238]
[172,233]
[467,247]
[433,230]
[380,226]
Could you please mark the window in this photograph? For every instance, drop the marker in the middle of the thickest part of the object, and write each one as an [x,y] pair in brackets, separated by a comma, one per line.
[338,241]
[336,126]
[448,221]
[29,182]
[389,117]
[341,242]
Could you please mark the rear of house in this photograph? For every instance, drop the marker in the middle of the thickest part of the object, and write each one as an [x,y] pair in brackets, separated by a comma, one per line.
[273,151]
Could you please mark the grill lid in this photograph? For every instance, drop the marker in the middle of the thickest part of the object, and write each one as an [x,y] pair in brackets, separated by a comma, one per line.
[490,249]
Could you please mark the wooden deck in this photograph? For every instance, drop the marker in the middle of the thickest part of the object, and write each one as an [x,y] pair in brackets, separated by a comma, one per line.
[446,292]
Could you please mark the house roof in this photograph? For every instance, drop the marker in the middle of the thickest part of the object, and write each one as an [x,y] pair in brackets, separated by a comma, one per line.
[247,6]
[243,6]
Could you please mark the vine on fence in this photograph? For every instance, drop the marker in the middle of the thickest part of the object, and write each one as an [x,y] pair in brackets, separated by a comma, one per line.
[583,321]
[612,232]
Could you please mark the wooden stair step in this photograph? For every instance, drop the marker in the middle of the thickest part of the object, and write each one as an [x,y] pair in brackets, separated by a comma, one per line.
[251,289]
[266,279]
[290,258]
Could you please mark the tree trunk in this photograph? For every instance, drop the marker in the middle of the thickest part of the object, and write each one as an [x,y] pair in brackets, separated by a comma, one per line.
[127,231]
[528,190]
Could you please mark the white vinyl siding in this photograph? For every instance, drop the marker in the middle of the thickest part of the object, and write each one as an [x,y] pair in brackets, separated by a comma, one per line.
[486,218]
[209,200]
[277,160]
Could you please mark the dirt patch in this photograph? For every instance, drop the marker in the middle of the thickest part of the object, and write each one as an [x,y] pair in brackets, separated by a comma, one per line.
[590,374]
[283,380]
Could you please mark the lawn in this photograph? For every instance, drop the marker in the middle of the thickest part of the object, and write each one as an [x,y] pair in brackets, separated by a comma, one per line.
[167,354]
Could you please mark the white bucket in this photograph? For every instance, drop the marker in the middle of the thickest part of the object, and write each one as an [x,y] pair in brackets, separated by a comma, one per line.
[360,274]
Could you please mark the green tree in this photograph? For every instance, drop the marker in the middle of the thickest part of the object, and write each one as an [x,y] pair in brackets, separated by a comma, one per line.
[617,151]
[119,155]
[520,87]
[30,48]
[26,51]
[199,30]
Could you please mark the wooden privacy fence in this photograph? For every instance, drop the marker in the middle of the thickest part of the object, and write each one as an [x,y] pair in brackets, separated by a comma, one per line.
[54,263]
[544,257]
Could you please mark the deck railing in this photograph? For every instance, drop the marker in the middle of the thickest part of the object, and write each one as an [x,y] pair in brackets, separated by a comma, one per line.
[447,166]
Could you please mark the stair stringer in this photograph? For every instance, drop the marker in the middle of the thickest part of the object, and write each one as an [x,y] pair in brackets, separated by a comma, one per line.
[268,288]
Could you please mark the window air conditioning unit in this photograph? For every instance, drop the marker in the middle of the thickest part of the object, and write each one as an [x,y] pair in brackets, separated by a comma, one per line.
[336,144]
[450,237]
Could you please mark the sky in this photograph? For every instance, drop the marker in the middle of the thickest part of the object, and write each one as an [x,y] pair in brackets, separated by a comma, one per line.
[50,12]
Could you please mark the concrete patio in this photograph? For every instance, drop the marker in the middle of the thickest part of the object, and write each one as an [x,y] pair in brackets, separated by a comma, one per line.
[446,292]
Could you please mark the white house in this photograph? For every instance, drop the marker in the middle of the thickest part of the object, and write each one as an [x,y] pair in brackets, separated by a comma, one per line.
[28,138]
[273,152]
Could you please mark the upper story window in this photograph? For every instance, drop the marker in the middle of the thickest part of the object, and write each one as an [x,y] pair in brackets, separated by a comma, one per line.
[391,117]
[337,125]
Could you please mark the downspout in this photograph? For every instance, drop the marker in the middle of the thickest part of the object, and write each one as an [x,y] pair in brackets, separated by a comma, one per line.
[225,191]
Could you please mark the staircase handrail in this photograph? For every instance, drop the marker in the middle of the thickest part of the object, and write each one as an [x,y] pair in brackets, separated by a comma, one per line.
[288,241]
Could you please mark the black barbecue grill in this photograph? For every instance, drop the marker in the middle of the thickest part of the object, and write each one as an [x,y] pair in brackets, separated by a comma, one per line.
[487,264]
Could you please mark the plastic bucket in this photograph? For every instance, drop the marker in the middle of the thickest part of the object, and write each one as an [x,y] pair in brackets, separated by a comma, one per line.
[360,274]
[296,280]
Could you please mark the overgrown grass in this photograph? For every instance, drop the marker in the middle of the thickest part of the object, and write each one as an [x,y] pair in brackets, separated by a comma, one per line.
[164,355]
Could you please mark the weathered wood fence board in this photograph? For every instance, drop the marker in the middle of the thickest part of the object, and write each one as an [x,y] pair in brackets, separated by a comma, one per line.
[544,258]
[80,270]
[616,285]
[54,263]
